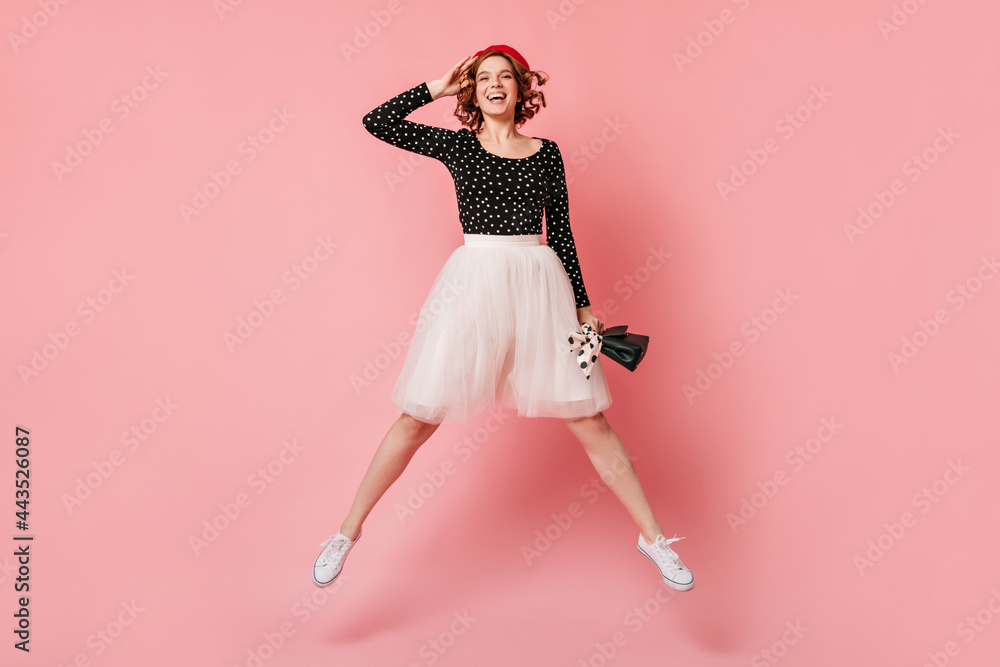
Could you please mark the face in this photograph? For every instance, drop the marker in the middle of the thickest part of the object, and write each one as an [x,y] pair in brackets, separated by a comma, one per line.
[496,87]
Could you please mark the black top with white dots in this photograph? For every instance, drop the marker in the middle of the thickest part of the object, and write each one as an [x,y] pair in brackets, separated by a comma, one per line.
[496,195]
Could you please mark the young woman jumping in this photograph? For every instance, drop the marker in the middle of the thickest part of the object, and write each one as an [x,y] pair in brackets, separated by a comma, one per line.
[498,322]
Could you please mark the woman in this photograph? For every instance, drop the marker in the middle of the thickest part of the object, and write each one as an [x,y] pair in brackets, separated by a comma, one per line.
[497,321]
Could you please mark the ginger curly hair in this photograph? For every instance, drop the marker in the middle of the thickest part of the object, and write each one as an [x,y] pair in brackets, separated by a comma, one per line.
[471,115]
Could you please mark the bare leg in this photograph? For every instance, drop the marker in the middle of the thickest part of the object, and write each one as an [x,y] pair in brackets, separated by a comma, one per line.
[398,446]
[611,461]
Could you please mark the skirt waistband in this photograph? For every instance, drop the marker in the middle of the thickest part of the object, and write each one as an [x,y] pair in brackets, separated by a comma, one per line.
[502,239]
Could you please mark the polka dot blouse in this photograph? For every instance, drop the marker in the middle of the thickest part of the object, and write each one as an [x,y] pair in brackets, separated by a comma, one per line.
[496,195]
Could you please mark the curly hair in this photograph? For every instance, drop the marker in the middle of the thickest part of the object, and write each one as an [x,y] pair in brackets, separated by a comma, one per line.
[471,115]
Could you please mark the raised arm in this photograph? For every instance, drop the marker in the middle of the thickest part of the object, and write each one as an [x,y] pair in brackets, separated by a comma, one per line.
[558,234]
[387,121]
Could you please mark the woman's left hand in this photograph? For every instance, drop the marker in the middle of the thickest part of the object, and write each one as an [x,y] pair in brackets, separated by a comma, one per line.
[583,315]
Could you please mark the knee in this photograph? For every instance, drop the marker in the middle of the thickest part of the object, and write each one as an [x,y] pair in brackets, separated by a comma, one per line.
[594,424]
[416,428]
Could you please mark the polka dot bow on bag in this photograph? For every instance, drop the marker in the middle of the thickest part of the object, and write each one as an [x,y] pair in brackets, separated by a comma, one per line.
[616,343]
[587,345]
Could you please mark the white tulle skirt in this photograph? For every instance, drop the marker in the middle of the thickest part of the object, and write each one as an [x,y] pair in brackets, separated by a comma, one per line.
[494,333]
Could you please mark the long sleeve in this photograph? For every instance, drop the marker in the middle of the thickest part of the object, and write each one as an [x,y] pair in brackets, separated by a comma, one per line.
[386,122]
[558,234]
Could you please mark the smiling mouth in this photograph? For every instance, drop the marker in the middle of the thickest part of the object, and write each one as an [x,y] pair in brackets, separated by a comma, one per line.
[496,98]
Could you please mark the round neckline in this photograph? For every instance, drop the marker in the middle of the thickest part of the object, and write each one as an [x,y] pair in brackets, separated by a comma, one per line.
[503,157]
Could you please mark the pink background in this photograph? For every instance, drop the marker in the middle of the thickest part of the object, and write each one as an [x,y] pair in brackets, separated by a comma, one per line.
[843,546]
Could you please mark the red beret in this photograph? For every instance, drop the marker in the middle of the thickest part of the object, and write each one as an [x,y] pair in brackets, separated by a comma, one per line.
[503,48]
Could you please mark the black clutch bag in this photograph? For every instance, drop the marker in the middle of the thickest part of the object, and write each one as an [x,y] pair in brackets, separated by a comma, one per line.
[627,349]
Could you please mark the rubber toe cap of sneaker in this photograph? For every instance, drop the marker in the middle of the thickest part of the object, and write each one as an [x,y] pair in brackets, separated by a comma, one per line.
[682,578]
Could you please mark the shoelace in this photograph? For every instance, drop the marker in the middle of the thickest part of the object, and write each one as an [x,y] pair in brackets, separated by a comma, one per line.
[662,546]
[334,547]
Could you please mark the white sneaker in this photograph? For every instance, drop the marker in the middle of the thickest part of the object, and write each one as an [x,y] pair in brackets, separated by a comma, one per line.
[330,561]
[673,571]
